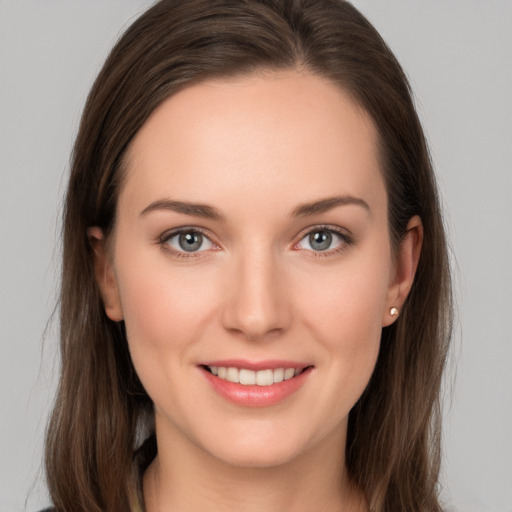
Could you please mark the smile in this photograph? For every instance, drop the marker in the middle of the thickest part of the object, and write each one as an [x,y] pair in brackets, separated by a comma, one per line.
[248,377]
[265,384]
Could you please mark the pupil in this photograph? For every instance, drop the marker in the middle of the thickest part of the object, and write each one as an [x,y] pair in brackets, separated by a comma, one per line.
[320,240]
[190,241]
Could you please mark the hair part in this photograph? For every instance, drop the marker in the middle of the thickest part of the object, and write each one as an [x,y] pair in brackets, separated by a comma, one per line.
[393,443]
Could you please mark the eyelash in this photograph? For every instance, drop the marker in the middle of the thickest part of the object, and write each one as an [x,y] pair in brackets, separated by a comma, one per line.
[166,237]
[346,241]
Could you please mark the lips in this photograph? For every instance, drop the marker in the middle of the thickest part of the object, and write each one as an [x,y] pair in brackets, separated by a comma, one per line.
[248,377]
[256,384]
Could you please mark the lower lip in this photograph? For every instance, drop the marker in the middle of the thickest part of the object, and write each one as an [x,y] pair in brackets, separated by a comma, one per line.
[257,396]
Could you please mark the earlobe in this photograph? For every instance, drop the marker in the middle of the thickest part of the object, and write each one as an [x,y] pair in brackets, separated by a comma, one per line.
[104,274]
[406,264]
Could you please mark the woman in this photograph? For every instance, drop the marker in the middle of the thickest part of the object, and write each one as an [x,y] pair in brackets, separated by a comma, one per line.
[255,284]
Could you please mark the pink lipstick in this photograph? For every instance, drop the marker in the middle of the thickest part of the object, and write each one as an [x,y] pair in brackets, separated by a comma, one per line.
[256,384]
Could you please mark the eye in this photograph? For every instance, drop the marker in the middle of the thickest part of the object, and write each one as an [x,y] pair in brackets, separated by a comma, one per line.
[188,241]
[323,240]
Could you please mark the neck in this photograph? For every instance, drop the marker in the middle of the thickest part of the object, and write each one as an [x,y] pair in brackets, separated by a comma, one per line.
[183,478]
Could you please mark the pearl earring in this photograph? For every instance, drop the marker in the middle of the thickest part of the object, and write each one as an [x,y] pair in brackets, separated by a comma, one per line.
[393,312]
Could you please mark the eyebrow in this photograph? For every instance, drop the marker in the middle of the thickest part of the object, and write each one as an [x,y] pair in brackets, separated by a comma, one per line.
[324,205]
[209,212]
[197,210]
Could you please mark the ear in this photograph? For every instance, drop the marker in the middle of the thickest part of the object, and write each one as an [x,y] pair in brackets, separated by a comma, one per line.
[104,273]
[404,270]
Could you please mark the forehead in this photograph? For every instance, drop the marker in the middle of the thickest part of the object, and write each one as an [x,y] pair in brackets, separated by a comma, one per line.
[290,131]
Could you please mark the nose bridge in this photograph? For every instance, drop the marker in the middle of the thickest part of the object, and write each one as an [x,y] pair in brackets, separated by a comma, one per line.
[257,303]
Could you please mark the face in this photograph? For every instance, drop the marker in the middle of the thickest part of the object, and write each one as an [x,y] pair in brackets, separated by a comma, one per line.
[252,242]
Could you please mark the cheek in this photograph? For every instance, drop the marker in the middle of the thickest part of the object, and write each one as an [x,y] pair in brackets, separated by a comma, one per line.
[165,310]
[349,299]
[343,310]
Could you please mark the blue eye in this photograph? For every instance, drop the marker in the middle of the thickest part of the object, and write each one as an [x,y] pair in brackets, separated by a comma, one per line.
[320,240]
[189,241]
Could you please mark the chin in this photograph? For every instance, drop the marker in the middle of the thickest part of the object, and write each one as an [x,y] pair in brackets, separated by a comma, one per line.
[266,450]
[257,458]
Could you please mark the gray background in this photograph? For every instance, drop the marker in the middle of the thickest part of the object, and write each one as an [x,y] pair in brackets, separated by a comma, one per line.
[458,55]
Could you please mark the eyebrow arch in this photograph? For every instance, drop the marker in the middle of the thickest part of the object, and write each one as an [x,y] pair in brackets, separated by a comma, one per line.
[198,210]
[209,212]
[324,205]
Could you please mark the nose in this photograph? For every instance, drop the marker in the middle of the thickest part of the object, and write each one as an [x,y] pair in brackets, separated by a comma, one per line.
[256,305]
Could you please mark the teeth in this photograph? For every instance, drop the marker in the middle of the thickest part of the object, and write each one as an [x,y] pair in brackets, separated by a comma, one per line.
[279,375]
[247,377]
[265,378]
[250,377]
[289,373]
[232,375]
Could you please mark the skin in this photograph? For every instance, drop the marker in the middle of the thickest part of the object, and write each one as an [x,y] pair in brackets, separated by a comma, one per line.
[254,148]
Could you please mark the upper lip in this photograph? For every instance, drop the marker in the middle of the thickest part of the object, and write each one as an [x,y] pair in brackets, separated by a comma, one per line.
[270,364]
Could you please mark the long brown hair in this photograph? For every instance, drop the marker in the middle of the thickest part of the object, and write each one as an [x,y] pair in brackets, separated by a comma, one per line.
[101,408]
